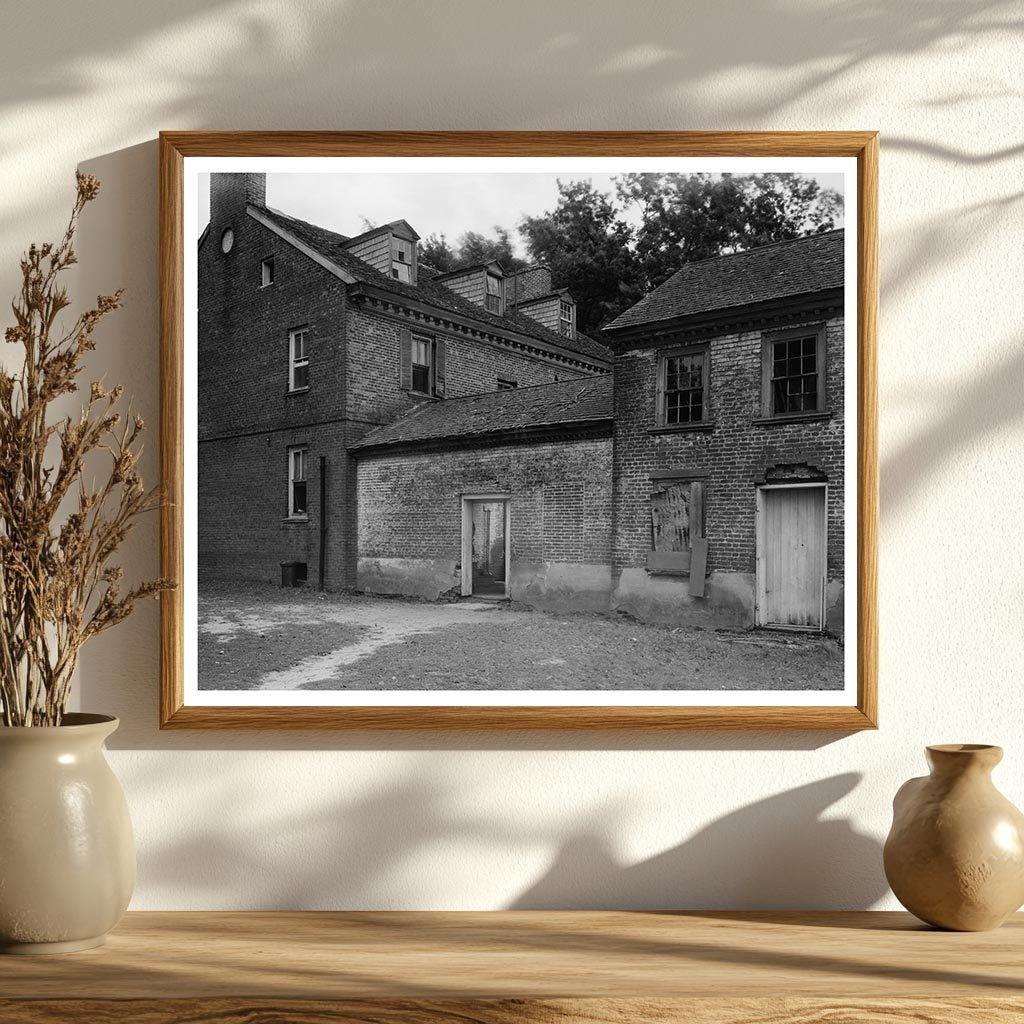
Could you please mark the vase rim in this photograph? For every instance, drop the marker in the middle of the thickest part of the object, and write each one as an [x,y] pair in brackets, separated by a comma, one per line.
[71,721]
[962,748]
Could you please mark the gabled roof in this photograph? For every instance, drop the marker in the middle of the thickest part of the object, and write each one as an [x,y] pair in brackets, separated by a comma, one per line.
[402,228]
[580,401]
[472,268]
[332,247]
[800,266]
[557,293]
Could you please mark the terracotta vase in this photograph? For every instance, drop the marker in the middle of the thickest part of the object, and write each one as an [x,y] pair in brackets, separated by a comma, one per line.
[67,859]
[955,854]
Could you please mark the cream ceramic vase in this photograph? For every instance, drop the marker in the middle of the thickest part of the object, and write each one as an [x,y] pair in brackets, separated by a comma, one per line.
[67,859]
[955,855]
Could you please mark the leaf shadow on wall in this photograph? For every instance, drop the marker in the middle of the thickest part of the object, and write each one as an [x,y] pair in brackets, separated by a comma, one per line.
[776,853]
[357,64]
[389,847]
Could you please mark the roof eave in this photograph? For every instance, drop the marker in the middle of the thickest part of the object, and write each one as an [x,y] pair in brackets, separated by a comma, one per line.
[420,305]
[506,435]
[726,314]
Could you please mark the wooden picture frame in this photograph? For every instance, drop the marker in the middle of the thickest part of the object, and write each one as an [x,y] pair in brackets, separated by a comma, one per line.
[177,147]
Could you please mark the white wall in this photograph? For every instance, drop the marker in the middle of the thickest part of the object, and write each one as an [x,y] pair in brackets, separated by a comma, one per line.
[252,820]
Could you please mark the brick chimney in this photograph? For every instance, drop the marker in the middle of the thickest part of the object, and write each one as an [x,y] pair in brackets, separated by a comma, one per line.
[528,284]
[229,194]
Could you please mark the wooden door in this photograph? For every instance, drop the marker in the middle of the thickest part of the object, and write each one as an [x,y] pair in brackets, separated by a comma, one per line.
[791,557]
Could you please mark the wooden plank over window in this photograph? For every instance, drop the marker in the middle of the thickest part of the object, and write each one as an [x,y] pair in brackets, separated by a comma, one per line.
[439,367]
[677,521]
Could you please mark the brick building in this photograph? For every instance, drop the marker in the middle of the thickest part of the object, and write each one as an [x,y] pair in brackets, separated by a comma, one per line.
[473,441]
[309,339]
[729,440]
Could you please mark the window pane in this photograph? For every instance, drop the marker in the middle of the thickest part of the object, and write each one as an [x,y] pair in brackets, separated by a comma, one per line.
[421,379]
[300,376]
[493,285]
[299,345]
[421,351]
[298,497]
[795,375]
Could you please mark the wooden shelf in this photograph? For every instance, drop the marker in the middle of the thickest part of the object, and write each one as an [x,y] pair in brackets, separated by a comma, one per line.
[500,968]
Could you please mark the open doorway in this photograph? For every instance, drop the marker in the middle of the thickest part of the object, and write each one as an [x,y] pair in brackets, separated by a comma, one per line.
[485,546]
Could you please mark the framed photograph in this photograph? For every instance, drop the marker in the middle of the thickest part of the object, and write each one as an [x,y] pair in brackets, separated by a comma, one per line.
[519,430]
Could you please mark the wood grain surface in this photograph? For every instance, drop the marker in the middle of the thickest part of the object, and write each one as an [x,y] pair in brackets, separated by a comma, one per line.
[176,146]
[527,955]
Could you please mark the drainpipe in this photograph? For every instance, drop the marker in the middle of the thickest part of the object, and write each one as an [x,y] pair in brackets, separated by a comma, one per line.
[323,521]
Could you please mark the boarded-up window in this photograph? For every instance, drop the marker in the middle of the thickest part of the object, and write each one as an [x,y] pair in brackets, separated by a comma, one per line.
[670,518]
[677,520]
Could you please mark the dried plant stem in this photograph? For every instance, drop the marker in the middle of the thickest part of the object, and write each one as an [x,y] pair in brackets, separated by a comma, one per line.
[58,585]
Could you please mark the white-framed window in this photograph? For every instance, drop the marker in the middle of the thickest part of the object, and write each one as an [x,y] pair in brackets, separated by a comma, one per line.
[267,272]
[298,359]
[494,293]
[566,314]
[297,505]
[401,260]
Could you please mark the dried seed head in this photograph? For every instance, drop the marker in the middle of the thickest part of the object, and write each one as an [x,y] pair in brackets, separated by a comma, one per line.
[97,391]
[88,186]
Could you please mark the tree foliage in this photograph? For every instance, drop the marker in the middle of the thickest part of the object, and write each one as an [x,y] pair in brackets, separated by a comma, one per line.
[688,217]
[608,260]
[471,249]
[587,247]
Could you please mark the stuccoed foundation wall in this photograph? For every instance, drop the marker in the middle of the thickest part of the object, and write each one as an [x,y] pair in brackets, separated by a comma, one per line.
[410,520]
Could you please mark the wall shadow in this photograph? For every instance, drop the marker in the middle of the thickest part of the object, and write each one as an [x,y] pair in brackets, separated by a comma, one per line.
[777,853]
[780,852]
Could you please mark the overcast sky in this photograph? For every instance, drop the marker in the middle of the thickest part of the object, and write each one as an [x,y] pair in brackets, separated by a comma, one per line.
[447,204]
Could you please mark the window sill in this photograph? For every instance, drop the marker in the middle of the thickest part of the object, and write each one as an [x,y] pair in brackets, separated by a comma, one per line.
[800,417]
[423,394]
[262,286]
[295,520]
[296,391]
[683,428]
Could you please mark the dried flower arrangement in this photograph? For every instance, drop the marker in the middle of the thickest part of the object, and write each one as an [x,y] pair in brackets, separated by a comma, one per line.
[58,586]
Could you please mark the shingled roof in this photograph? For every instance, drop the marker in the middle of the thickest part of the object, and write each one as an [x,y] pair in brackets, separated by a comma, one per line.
[800,266]
[580,401]
[331,246]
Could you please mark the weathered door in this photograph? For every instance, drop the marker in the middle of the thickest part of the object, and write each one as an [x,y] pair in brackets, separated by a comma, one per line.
[485,546]
[791,556]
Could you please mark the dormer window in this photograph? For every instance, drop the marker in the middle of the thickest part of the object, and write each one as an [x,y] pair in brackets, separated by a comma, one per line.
[401,260]
[566,316]
[495,290]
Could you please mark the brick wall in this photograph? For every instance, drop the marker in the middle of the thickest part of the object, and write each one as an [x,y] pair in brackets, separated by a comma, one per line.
[244,529]
[735,453]
[473,367]
[243,334]
[409,506]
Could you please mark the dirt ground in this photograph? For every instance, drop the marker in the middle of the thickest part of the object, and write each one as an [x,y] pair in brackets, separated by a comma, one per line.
[254,636]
